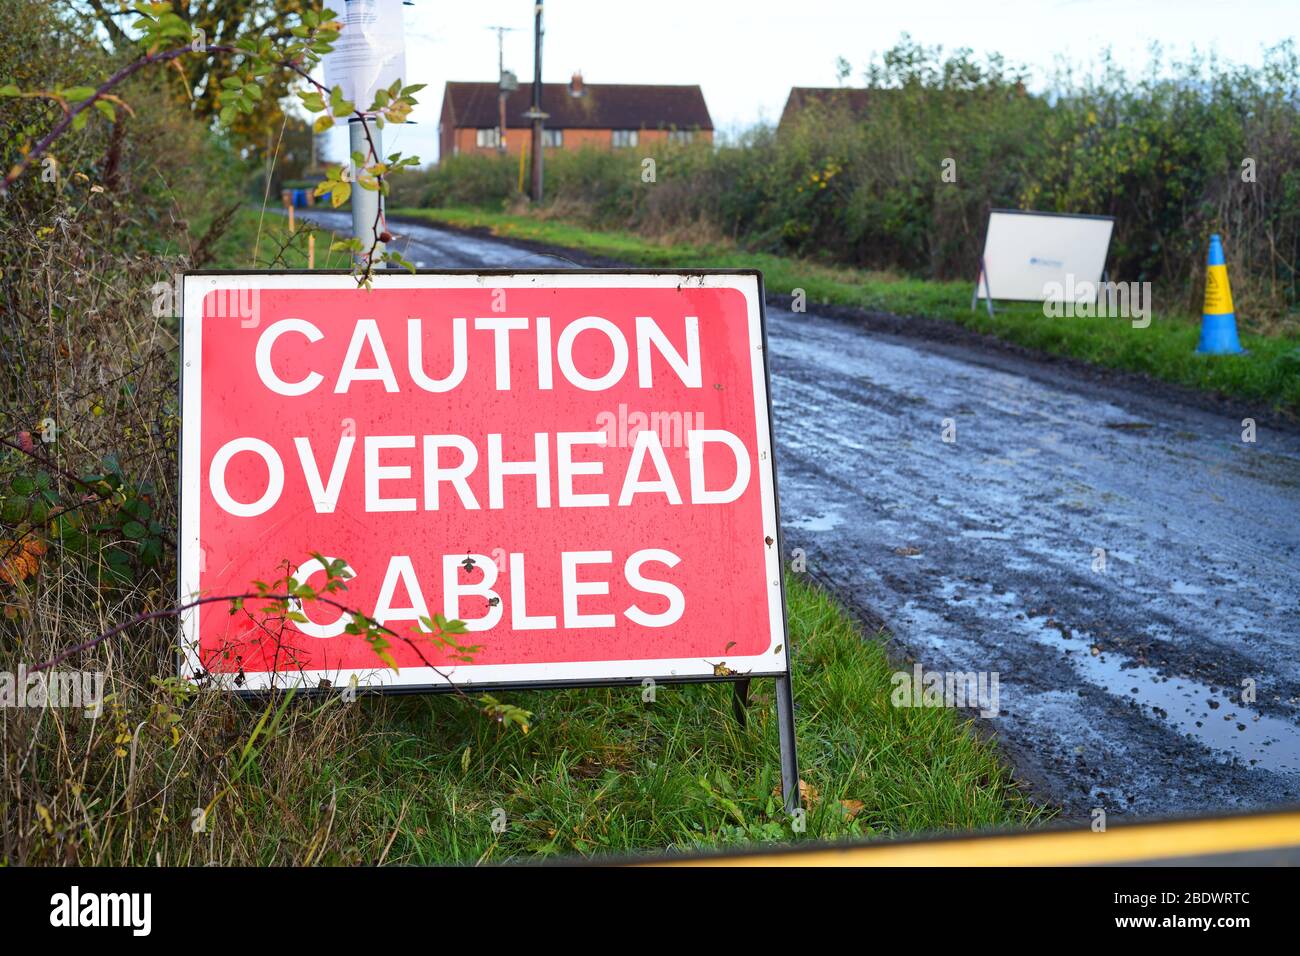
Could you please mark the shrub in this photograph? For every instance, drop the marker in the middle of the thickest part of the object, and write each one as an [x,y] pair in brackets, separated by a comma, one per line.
[1162,153]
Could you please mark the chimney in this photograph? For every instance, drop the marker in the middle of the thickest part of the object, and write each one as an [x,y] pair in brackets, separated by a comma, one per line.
[575,85]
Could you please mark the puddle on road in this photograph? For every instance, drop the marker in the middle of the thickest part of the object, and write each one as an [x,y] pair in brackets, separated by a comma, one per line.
[1192,708]
[1235,730]
[987,535]
[824,521]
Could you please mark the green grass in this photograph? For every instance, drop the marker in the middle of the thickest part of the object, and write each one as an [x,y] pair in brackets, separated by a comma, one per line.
[257,240]
[602,771]
[1269,374]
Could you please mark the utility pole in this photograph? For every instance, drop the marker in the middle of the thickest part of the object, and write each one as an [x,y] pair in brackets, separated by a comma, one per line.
[535,112]
[505,85]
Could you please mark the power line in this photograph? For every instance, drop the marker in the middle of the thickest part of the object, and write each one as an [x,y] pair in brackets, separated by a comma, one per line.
[501,40]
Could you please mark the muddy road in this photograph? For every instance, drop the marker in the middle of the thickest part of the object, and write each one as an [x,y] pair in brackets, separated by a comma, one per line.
[1125,564]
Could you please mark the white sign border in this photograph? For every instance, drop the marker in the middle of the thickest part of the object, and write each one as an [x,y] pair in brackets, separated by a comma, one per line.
[773,662]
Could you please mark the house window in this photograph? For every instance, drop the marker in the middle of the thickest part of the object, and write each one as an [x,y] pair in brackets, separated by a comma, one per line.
[487,138]
[681,135]
[622,138]
[553,138]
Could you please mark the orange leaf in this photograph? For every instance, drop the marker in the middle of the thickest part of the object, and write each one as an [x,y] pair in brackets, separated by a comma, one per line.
[20,560]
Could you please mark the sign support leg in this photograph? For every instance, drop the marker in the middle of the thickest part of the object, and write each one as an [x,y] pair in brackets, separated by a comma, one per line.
[740,700]
[789,759]
[988,293]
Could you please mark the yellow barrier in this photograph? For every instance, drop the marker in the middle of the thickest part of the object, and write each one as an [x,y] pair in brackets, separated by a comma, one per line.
[1129,843]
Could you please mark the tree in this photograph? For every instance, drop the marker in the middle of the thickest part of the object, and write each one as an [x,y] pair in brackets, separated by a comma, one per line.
[213,23]
[250,65]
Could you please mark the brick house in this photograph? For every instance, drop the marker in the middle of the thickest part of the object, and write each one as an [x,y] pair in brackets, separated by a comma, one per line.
[601,115]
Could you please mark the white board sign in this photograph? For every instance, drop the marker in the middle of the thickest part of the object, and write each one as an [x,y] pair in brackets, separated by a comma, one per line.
[370,52]
[1040,256]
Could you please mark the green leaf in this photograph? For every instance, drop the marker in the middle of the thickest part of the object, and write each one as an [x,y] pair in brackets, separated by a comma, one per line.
[79,92]
[338,105]
[134,530]
[322,123]
[105,107]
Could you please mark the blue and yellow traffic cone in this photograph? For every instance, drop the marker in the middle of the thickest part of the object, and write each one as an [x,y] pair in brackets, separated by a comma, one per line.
[1218,321]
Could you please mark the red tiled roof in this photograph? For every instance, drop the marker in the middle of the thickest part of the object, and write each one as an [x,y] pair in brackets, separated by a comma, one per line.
[602,106]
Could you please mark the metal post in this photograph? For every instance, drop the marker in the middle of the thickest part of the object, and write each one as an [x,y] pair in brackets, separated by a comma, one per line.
[988,293]
[367,204]
[740,700]
[536,112]
[785,731]
[501,122]
[505,85]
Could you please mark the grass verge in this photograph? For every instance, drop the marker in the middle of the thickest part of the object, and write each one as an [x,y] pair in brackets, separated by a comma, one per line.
[1269,373]
[262,240]
[605,771]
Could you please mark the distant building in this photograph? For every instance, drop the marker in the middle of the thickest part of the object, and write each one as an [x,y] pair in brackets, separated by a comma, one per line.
[858,103]
[855,102]
[601,115]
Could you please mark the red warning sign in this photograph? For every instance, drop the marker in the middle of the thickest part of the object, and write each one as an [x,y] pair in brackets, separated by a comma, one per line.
[577,465]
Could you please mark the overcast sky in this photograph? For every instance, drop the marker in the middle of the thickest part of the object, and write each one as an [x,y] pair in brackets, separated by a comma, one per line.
[747,55]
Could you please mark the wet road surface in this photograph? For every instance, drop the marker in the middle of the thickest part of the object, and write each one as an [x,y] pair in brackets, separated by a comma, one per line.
[1127,566]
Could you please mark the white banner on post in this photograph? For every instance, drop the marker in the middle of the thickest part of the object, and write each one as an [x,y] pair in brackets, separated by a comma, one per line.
[370,52]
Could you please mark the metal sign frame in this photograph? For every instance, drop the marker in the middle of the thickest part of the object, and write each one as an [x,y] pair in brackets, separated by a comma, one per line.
[190,385]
